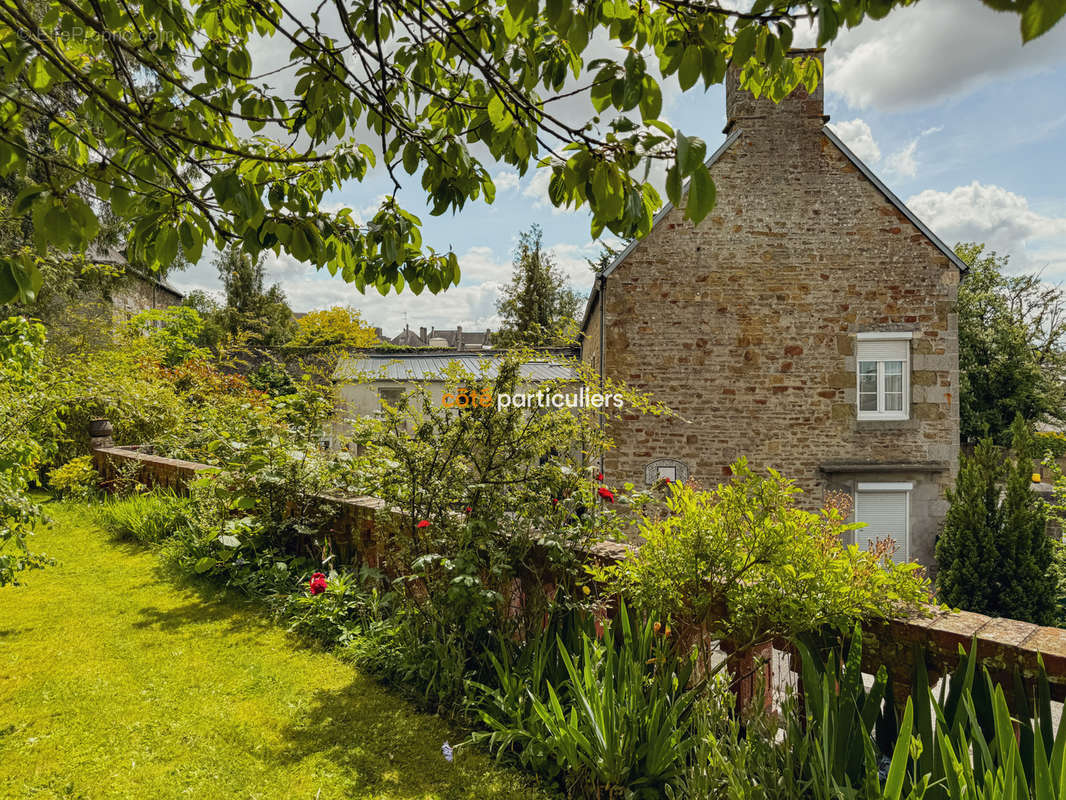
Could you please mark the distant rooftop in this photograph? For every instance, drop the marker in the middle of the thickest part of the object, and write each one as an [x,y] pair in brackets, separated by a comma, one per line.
[430,366]
[455,339]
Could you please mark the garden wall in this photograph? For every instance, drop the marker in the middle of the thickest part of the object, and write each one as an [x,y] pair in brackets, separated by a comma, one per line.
[1002,644]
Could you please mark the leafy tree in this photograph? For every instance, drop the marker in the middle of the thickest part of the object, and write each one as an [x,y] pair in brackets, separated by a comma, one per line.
[605,258]
[263,314]
[158,93]
[333,327]
[537,306]
[174,331]
[1012,347]
[994,555]
[28,425]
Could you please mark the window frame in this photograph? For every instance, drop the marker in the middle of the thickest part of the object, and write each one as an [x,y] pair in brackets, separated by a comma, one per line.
[882,413]
[901,487]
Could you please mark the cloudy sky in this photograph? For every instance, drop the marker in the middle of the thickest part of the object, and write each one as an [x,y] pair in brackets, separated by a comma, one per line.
[940,99]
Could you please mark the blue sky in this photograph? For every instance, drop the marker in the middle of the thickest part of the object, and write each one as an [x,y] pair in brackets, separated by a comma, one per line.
[941,100]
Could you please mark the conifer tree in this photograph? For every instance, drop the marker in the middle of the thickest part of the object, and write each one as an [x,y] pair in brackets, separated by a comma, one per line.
[1029,588]
[966,549]
[994,556]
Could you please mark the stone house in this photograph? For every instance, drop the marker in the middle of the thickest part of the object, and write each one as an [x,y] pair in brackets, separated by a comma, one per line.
[808,324]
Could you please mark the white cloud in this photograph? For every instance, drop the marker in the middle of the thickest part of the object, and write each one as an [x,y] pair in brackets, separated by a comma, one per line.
[1000,218]
[859,138]
[928,52]
[856,134]
[902,162]
[537,189]
[505,181]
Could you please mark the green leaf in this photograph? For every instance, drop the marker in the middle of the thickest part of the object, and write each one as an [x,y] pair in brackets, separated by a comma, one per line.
[499,116]
[651,101]
[691,62]
[38,76]
[9,288]
[701,195]
[673,185]
[691,153]
[743,46]
[897,767]
[1040,16]
[205,564]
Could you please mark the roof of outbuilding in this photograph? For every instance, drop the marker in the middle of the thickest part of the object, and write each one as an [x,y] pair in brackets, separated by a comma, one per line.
[431,366]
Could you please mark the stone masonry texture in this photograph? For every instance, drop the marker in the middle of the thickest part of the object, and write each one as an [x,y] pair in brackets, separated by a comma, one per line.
[746,324]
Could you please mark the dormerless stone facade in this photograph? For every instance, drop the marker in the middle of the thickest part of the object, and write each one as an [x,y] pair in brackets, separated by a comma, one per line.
[746,324]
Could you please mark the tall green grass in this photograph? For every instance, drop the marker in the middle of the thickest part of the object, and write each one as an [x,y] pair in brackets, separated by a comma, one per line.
[149,518]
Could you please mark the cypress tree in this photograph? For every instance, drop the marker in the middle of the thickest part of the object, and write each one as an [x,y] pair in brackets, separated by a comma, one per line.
[994,556]
[966,550]
[1029,588]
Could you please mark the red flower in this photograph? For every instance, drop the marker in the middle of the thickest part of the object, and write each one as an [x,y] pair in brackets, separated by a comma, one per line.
[423,524]
[606,494]
[599,476]
[468,509]
[555,501]
[318,583]
[666,480]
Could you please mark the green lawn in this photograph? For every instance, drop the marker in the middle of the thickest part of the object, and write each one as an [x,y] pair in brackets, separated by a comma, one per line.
[115,682]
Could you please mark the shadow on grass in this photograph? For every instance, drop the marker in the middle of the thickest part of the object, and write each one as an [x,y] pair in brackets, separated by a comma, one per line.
[385,750]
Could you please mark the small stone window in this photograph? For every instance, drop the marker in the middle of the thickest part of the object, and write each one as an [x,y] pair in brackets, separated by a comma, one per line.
[882,371]
[669,468]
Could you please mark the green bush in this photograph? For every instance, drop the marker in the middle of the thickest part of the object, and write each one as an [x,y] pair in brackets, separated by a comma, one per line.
[149,518]
[75,480]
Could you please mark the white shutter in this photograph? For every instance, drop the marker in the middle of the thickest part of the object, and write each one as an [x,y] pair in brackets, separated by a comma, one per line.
[882,350]
[885,515]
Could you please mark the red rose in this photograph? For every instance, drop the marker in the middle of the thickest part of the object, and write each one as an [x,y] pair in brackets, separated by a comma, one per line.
[666,480]
[468,509]
[599,476]
[318,583]
[423,524]
[606,494]
[555,501]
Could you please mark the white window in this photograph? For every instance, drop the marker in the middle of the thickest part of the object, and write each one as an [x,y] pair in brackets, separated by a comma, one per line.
[670,473]
[883,375]
[885,508]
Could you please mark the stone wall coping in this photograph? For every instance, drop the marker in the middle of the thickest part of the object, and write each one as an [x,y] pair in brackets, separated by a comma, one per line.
[135,455]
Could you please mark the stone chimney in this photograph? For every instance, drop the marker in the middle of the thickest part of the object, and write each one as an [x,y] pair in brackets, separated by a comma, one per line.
[459,337]
[797,110]
[488,338]
[422,335]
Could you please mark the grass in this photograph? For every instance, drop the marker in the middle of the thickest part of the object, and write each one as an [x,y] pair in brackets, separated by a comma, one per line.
[117,683]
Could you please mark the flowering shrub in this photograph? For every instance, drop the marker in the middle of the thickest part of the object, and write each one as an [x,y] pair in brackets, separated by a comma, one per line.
[318,583]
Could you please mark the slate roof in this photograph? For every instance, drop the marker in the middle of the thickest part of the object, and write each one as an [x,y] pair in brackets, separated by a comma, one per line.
[431,366]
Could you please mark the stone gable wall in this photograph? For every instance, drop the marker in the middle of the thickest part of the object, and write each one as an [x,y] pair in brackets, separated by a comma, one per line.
[745,324]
